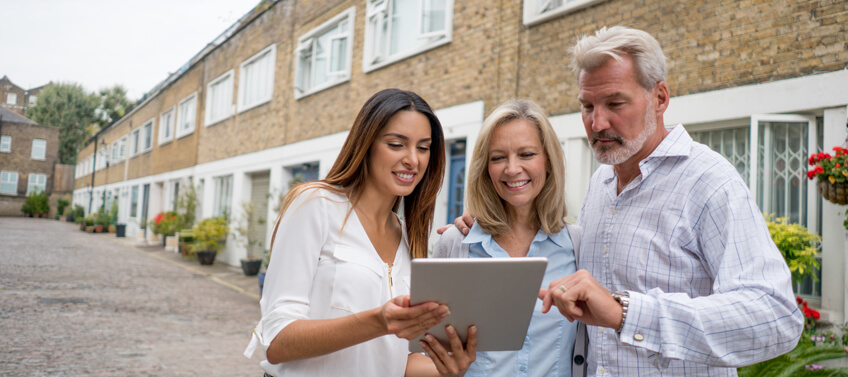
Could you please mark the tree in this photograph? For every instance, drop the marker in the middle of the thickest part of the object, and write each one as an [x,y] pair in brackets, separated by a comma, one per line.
[69,107]
[114,104]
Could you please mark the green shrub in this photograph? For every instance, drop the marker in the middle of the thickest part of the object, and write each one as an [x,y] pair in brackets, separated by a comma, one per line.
[102,218]
[61,205]
[210,234]
[797,244]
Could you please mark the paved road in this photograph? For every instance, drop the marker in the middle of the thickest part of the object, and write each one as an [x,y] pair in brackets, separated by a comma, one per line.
[77,304]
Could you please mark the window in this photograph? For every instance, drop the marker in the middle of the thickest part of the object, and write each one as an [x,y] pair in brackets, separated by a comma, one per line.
[223,196]
[256,79]
[175,195]
[39,149]
[9,182]
[186,115]
[219,98]
[33,100]
[5,143]
[538,11]
[323,55]
[134,142]
[166,126]
[134,202]
[122,146]
[456,183]
[11,99]
[398,29]
[37,183]
[147,136]
[115,151]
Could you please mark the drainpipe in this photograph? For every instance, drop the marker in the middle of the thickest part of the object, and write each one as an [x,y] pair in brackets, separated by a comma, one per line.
[93,170]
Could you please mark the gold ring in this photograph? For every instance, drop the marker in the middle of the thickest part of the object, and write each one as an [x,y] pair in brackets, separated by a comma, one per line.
[563,288]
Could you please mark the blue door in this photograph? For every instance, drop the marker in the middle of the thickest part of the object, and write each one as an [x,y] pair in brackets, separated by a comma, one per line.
[456,183]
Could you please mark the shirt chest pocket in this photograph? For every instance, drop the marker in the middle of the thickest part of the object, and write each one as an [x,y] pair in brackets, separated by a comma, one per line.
[358,282]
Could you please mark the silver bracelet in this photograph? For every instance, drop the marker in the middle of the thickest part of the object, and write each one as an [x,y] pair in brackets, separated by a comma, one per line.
[623,298]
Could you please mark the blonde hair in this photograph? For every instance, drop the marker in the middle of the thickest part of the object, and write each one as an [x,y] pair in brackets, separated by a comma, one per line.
[593,51]
[549,208]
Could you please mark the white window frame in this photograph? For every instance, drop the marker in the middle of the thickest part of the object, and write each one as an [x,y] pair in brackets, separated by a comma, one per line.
[378,14]
[135,143]
[539,11]
[11,98]
[115,150]
[222,202]
[166,126]
[33,99]
[307,42]
[242,85]
[12,174]
[224,82]
[42,185]
[43,151]
[122,154]
[146,129]
[6,144]
[180,132]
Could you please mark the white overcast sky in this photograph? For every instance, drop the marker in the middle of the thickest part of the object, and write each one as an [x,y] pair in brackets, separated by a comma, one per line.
[99,43]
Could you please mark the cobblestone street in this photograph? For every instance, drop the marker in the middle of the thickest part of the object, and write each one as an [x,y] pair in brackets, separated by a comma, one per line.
[79,304]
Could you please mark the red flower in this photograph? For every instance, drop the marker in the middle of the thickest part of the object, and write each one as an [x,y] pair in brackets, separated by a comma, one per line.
[807,312]
[799,300]
[815,314]
[159,218]
[811,174]
[819,170]
[812,160]
[837,164]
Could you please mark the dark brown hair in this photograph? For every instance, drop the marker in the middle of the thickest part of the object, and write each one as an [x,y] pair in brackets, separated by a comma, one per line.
[350,171]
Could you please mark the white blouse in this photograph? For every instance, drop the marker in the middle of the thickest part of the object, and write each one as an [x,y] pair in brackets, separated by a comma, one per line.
[324,266]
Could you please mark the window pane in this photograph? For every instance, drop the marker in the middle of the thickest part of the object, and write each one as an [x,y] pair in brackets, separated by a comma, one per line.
[134,202]
[338,55]
[782,182]
[432,16]
[404,21]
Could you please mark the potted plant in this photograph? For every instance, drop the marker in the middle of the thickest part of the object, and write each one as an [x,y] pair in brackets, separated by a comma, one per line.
[41,203]
[61,204]
[77,213]
[832,174]
[164,224]
[251,263]
[186,208]
[89,223]
[185,238]
[208,234]
[101,222]
[28,208]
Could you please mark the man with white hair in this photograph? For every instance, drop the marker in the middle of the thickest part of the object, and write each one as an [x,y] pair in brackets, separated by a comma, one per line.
[670,229]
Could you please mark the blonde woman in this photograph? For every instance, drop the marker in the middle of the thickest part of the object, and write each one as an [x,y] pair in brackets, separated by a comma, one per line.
[336,293]
[516,193]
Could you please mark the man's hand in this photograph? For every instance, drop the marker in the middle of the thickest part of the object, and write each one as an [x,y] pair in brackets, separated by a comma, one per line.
[580,297]
[463,223]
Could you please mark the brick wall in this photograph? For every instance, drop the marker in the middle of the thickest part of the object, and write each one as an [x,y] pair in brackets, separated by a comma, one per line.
[492,57]
[20,158]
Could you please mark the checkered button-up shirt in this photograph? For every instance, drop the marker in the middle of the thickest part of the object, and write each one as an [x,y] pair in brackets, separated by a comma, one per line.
[709,291]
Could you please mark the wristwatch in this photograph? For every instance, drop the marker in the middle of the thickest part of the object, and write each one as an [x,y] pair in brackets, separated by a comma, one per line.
[623,298]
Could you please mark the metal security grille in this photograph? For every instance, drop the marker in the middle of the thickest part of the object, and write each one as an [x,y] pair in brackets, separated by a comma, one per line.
[782,183]
[732,143]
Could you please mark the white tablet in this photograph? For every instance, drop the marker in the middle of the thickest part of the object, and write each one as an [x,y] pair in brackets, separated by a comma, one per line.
[495,294]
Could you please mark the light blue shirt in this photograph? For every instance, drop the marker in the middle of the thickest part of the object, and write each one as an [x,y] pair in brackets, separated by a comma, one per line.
[549,342]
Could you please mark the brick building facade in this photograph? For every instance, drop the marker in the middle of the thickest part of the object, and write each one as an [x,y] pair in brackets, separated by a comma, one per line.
[762,82]
[16,98]
[29,153]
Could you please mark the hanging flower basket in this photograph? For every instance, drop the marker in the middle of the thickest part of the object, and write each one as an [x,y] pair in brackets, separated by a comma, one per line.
[834,192]
[832,174]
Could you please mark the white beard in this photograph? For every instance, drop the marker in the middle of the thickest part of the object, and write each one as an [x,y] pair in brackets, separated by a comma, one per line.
[617,154]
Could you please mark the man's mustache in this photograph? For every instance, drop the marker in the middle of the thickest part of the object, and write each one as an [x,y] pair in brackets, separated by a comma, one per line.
[606,135]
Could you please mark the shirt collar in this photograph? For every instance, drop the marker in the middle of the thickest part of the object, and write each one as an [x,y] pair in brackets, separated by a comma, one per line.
[677,143]
[478,235]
